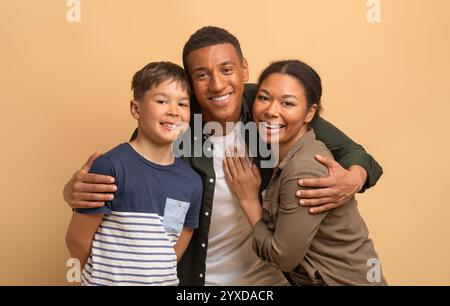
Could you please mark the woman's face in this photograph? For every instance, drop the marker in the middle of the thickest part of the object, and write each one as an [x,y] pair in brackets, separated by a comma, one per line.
[280,110]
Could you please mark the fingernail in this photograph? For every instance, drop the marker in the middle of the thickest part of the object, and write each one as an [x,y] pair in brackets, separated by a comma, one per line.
[312,210]
[299,193]
[301,182]
[111,197]
[114,188]
[112,180]
[302,202]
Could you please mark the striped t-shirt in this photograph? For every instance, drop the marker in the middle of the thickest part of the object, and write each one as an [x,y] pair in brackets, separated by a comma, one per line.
[134,243]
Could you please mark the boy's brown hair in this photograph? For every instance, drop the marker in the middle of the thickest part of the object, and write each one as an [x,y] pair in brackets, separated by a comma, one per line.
[154,74]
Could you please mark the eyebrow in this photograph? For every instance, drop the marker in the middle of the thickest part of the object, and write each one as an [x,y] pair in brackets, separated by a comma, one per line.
[284,96]
[204,68]
[290,96]
[182,97]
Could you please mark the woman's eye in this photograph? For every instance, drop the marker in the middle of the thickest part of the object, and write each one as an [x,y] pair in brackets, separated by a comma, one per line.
[263,98]
[287,103]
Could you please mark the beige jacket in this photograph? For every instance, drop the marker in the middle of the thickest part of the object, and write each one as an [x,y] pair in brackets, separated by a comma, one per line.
[330,248]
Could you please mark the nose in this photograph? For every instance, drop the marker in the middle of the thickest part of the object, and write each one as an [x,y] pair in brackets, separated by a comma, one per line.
[272,109]
[217,83]
[173,110]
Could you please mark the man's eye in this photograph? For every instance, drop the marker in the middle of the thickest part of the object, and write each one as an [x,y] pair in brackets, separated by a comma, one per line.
[201,75]
[228,70]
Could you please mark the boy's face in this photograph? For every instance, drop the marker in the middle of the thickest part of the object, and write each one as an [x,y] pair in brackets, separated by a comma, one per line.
[163,114]
[218,77]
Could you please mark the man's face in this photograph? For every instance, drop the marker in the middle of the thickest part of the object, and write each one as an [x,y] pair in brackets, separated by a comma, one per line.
[218,77]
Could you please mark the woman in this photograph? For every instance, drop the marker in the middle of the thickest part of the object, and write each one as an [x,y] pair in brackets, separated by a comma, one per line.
[331,248]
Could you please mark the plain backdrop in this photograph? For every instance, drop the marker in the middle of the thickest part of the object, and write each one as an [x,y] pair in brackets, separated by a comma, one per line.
[65,89]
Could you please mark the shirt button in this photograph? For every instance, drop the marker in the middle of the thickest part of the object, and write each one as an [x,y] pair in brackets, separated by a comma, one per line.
[195,138]
[211,181]
[201,275]
[208,149]
[206,213]
[203,245]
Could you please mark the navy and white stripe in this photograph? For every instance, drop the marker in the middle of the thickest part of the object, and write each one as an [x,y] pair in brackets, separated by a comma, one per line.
[132,248]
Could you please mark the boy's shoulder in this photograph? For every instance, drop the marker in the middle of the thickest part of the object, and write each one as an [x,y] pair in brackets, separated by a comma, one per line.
[107,161]
[116,152]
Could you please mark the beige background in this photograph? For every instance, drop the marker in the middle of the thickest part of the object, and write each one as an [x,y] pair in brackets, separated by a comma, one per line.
[65,92]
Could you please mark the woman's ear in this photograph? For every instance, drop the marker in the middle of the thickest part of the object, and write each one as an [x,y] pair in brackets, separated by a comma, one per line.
[310,113]
[135,109]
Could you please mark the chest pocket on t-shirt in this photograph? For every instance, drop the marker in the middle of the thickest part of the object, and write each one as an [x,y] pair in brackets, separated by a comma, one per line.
[174,215]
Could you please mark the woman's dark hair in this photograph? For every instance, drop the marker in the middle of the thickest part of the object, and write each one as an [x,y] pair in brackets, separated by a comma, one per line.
[300,71]
[154,74]
[207,37]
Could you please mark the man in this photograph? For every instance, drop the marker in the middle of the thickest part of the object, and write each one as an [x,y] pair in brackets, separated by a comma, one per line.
[220,252]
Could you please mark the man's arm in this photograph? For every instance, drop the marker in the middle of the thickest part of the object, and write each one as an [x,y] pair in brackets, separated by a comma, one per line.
[353,171]
[89,190]
[80,234]
[183,242]
[346,152]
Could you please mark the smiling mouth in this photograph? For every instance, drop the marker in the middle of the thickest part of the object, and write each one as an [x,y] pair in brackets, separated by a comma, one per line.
[220,100]
[272,127]
[171,126]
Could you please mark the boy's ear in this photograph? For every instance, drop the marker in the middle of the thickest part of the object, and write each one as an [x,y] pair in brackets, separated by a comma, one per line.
[135,109]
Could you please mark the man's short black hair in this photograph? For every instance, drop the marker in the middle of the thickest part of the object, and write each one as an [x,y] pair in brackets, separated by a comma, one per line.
[209,36]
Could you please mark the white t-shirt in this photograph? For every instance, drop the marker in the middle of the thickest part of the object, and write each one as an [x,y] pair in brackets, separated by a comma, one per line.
[230,258]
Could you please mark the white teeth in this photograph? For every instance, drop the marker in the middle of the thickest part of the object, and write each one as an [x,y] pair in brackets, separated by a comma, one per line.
[171,126]
[221,98]
[272,125]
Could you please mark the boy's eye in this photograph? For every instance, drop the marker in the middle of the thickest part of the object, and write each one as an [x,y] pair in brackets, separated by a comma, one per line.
[183,104]
[161,101]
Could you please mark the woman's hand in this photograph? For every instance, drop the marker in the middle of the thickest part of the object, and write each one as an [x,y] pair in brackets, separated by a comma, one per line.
[244,181]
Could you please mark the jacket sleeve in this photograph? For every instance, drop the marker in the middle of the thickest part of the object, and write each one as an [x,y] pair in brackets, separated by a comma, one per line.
[346,152]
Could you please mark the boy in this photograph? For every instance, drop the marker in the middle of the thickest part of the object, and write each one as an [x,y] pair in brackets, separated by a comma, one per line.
[140,235]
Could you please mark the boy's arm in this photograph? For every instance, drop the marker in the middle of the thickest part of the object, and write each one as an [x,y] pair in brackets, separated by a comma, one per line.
[80,234]
[183,242]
